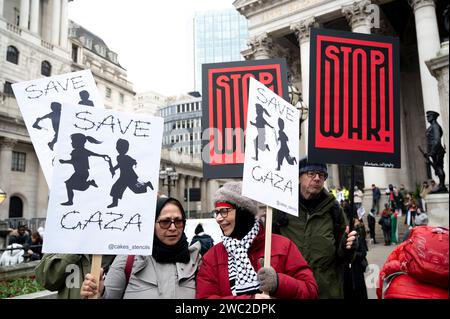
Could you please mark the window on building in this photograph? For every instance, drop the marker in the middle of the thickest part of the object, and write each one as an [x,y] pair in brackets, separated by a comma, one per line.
[74,53]
[12,55]
[46,68]
[7,88]
[18,161]
[108,93]
[121,98]
[15,207]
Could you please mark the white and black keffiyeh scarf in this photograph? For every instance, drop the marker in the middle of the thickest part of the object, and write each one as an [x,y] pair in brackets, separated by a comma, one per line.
[243,279]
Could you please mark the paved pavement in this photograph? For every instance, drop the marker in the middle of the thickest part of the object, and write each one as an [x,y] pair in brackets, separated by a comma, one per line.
[376,256]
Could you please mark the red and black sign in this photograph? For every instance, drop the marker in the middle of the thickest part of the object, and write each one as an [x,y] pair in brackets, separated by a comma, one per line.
[354,99]
[224,105]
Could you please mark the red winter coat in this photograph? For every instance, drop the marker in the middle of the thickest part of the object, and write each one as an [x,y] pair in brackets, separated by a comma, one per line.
[295,277]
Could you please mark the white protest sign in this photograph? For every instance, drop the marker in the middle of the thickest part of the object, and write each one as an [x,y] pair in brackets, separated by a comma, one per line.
[40,102]
[272,150]
[105,181]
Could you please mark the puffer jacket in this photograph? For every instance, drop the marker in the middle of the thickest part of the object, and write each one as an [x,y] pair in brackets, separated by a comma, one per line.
[152,280]
[295,279]
[319,233]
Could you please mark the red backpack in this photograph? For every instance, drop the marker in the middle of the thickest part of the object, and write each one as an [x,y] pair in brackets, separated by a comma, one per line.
[423,257]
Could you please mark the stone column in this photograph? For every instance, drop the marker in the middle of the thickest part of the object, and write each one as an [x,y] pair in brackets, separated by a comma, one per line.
[181,181]
[428,45]
[34,17]
[438,67]
[204,195]
[261,47]
[56,20]
[1,8]
[301,29]
[24,14]
[358,17]
[6,147]
[64,25]
[176,189]
[333,175]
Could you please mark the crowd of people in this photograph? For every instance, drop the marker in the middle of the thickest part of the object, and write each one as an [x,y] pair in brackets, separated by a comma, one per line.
[313,255]
[23,245]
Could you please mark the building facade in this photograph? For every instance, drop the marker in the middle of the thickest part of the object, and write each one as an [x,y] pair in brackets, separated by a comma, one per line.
[149,102]
[182,124]
[35,42]
[281,29]
[219,36]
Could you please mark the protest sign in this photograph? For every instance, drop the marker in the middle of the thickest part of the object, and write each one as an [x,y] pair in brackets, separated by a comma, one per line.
[224,106]
[105,181]
[40,103]
[272,150]
[354,99]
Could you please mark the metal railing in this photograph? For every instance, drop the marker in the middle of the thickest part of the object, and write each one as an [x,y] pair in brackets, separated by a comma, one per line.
[32,224]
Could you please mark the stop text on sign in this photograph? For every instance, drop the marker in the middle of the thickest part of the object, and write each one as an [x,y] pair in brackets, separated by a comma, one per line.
[354,95]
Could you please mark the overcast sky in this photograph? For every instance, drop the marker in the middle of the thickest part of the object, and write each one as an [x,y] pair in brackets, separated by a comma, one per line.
[153,39]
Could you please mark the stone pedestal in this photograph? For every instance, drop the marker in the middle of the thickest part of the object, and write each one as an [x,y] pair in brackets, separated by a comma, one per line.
[437,205]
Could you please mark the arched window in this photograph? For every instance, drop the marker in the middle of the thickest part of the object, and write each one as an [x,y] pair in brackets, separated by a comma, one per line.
[12,55]
[15,207]
[46,68]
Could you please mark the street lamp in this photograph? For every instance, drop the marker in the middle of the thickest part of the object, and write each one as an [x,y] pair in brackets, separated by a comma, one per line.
[295,96]
[169,177]
[2,196]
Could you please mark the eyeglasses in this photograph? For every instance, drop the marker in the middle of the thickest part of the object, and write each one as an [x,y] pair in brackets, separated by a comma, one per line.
[166,223]
[223,212]
[322,175]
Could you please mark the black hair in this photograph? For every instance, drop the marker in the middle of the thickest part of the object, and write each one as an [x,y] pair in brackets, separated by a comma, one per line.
[199,229]
[244,222]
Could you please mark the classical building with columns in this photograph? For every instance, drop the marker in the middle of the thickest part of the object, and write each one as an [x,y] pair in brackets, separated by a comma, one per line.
[281,29]
[35,42]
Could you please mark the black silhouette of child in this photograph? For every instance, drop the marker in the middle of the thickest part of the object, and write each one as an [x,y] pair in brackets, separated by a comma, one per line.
[128,177]
[54,116]
[283,152]
[260,123]
[80,161]
[84,96]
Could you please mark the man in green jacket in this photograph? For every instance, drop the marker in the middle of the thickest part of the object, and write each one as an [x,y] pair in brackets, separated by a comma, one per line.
[65,272]
[320,232]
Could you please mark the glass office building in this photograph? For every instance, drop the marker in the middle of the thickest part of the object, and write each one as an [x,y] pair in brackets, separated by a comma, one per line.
[219,36]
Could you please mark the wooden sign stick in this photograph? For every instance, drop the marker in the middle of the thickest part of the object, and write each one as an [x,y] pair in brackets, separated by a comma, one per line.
[268,240]
[95,271]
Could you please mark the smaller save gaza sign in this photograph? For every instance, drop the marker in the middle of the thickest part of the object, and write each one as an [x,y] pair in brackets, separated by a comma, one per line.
[354,99]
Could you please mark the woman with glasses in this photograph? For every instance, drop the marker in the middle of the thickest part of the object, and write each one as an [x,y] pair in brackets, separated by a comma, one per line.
[232,268]
[168,273]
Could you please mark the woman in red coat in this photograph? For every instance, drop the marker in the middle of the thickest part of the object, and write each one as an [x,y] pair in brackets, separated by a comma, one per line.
[231,269]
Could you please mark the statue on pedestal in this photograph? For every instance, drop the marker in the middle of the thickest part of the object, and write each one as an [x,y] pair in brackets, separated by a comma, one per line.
[435,151]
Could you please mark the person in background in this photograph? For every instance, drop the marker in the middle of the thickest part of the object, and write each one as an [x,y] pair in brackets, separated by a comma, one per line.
[424,191]
[232,268]
[320,231]
[371,224]
[35,250]
[358,197]
[169,273]
[421,220]
[376,195]
[20,236]
[355,285]
[385,222]
[205,240]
